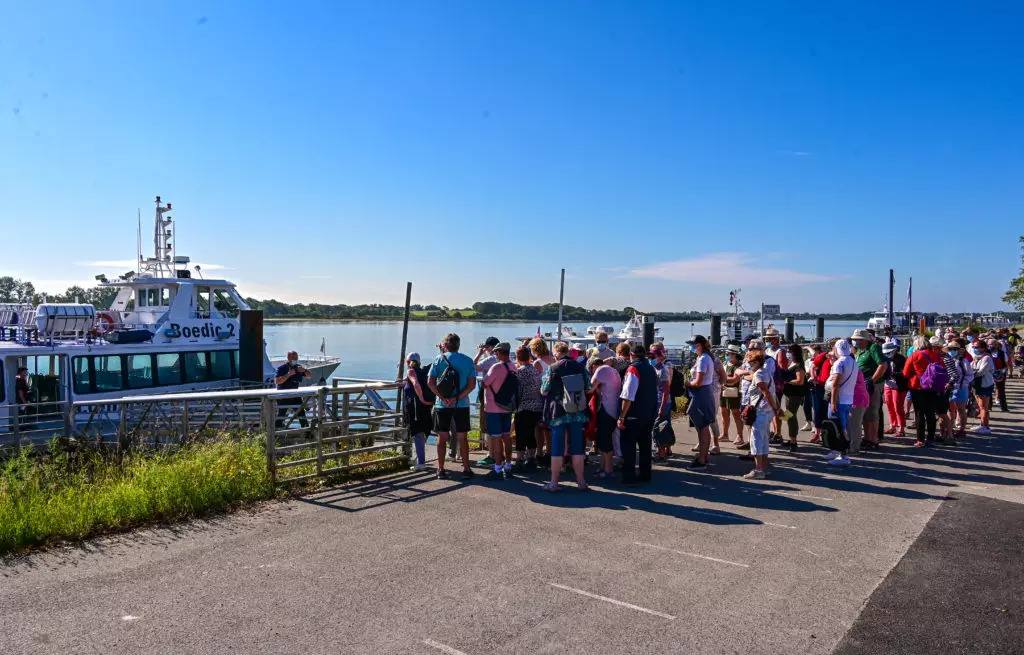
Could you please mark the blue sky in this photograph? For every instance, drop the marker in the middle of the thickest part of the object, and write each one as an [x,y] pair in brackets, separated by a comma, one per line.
[662,152]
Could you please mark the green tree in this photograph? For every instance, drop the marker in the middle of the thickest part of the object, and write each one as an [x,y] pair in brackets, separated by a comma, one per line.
[1015,294]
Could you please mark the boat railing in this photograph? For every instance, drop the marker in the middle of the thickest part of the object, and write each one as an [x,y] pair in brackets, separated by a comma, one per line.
[308,432]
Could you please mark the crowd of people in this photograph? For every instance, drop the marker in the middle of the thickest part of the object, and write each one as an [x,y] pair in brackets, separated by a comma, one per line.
[543,408]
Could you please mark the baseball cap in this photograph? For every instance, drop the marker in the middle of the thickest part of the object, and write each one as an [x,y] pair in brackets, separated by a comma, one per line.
[491,342]
[503,347]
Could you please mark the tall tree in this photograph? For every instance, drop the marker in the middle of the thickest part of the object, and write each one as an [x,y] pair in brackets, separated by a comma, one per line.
[1015,294]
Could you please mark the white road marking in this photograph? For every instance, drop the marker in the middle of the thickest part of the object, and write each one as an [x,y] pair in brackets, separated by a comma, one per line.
[613,601]
[810,551]
[794,494]
[681,552]
[779,525]
[441,647]
[129,617]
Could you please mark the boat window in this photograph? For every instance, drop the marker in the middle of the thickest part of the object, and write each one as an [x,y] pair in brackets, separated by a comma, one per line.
[165,297]
[224,303]
[168,369]
[153,297]
[80,374]
[107,370]
[234,360]
[220,364]
[203,302]
[196,368]
[140,371]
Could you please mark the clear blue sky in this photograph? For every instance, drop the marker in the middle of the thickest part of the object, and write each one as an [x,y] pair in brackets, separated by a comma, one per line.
[662,152]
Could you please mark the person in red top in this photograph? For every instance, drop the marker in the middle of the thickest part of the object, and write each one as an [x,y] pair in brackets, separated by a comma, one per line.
[926,352]
[821,368]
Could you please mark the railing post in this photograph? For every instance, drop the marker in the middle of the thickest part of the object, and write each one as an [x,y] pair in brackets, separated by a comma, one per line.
[270,425]
[16,423]
[122,427]
[321,418]
[184,421]
[69,426]
[345,402]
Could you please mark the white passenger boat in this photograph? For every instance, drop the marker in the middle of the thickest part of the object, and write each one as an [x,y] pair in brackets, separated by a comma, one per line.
[633,331]
[165,331]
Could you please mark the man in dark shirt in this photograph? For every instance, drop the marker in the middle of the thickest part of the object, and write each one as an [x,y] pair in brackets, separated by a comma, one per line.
[290,376]
[636,418]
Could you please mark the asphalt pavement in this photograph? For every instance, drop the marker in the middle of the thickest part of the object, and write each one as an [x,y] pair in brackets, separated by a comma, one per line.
[691,563]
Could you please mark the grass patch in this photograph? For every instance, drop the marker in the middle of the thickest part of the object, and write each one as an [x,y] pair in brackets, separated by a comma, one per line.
[75,493]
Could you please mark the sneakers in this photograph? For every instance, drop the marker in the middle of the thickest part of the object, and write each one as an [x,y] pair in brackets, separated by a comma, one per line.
[506,474]
[981,429]
[486,461]
[745,446]
[493,475]
[697,465]
[919,444]
[816,438]
[442,474]
[793,447]
[715,450]
[755,475]
[807,427]
[776,440]
[467,476]
[831,455]
[418,467]
[842,460]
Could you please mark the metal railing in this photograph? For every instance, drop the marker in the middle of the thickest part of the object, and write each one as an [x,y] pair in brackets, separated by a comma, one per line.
[310,432]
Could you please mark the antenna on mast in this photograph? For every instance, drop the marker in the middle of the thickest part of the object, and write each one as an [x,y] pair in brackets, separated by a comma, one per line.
[138,240]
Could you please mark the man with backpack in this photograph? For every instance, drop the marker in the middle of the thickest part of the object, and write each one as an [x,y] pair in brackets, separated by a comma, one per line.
[452,378]
[567,383]
[873,364]
[777,368]
[501,390]
[927,377]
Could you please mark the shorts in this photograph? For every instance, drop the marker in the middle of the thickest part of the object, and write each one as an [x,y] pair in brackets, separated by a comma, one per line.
[606,426]
[731,403]
[984,392]
[876,400]
[941,404]
[498,424]
[759,433]
[575,432]
[526,426]
[960,396]
[444,416]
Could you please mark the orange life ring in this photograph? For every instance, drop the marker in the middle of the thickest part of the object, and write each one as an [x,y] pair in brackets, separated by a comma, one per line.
[105,322]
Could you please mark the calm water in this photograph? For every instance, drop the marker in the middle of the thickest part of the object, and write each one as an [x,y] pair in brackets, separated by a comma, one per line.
[372,349]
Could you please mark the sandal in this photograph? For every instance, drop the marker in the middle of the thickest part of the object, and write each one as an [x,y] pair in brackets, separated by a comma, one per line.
[552,487]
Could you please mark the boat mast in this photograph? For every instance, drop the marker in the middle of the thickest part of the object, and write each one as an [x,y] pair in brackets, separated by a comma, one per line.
[892,304]
[561,300]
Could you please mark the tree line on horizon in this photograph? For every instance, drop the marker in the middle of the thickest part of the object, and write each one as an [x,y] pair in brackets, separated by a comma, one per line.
[13,290]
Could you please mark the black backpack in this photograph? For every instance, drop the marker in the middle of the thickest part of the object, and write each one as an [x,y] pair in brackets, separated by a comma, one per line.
[507,395]
[428,395]
[833,435]
[448,385]
[677,387]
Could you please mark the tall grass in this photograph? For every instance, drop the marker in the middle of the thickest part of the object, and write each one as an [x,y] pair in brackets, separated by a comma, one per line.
[75,493]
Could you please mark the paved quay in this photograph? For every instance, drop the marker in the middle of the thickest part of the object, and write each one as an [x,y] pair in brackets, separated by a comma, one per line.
[907,551]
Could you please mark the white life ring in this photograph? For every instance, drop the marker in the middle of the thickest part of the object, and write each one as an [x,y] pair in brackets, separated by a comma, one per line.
[105,322]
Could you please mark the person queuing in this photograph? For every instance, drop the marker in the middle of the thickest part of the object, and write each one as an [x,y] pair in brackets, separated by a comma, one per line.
[566,383]
[984,383]
[926,352]
[542,360]
[666,436]
[418,400]
[497,414]
[701,409]
[606,386]
[731,393]
[452,378]
[795,389]
[528,412]
[763,403]
[639,406]
[873,365]
[959,394]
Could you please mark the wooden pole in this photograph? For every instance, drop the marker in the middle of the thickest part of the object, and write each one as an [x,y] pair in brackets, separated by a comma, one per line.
[405,330]
[561,301]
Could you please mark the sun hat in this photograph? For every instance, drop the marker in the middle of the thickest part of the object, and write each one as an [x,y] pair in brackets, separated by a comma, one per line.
[862,334]
[771,333]
[890,348]
[734,349]
[935,342]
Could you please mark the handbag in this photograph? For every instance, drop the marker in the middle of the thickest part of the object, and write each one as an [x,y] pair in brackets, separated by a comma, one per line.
[749,414]
[730,392]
